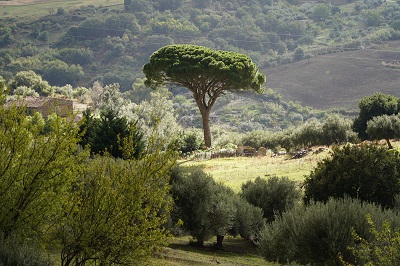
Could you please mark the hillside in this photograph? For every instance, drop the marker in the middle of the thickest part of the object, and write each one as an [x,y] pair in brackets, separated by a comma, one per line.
[323,56]
[338,79]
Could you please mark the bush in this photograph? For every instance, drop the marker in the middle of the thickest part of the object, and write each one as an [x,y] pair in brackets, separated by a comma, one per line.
[195,194]
[190,143]
[16,253]
[367,172]
[60,73]
[248,221]
[382,249]
[78,56]
[319,233]
[273,196]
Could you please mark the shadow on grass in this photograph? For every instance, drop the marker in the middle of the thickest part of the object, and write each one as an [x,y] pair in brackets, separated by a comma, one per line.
[231,246]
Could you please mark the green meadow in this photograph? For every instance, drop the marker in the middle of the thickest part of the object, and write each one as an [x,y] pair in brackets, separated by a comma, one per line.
[235,171]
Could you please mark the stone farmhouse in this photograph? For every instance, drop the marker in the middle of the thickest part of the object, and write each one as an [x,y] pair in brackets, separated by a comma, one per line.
[47,105]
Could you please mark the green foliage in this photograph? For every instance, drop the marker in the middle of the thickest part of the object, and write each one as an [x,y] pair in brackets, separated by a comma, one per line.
[190,143]
[169,25]
[107,134]
[36,166]
[205,72]
[371,106]
[257,139]
[60,73]
[31,80]
[320,12]
[382,249]
[298,54]
[337,130]
[274,195]
[107,97]
[117,209]
[320,233]
[6,36]
[138,6]
[163,5]
[249,220]
[210,209]
[384,127]
[192,187]
[149,115]
[195,63]
[307,135]
[395,24]
[366,172]
[373,19]
[77,56]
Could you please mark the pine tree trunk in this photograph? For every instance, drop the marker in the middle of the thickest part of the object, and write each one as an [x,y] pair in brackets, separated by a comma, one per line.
[206,128]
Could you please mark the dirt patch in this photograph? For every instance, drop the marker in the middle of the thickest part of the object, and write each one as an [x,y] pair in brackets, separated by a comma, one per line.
[22,2]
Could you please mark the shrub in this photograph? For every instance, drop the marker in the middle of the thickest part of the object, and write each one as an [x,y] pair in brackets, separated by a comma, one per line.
[273,196]
[190,143]
[319,233]
[248,221]
[367,172]
[81,56]
[382,249]
[13,252]
[257,139]
[60,73]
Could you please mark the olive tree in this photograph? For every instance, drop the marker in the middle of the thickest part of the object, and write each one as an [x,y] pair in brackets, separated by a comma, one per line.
[375,105]
[207,73]
[207,208]
[366,172]
[384,127]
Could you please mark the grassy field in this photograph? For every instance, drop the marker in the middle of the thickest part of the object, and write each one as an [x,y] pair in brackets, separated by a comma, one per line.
[339,79]
[236,252]
[235,171]
[37,8]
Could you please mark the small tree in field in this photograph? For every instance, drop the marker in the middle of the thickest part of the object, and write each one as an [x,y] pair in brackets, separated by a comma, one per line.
[273,196]
[205,72]
[371,106]
[384,127]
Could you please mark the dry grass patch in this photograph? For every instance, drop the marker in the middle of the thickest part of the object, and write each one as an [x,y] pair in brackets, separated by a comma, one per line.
[235,171]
